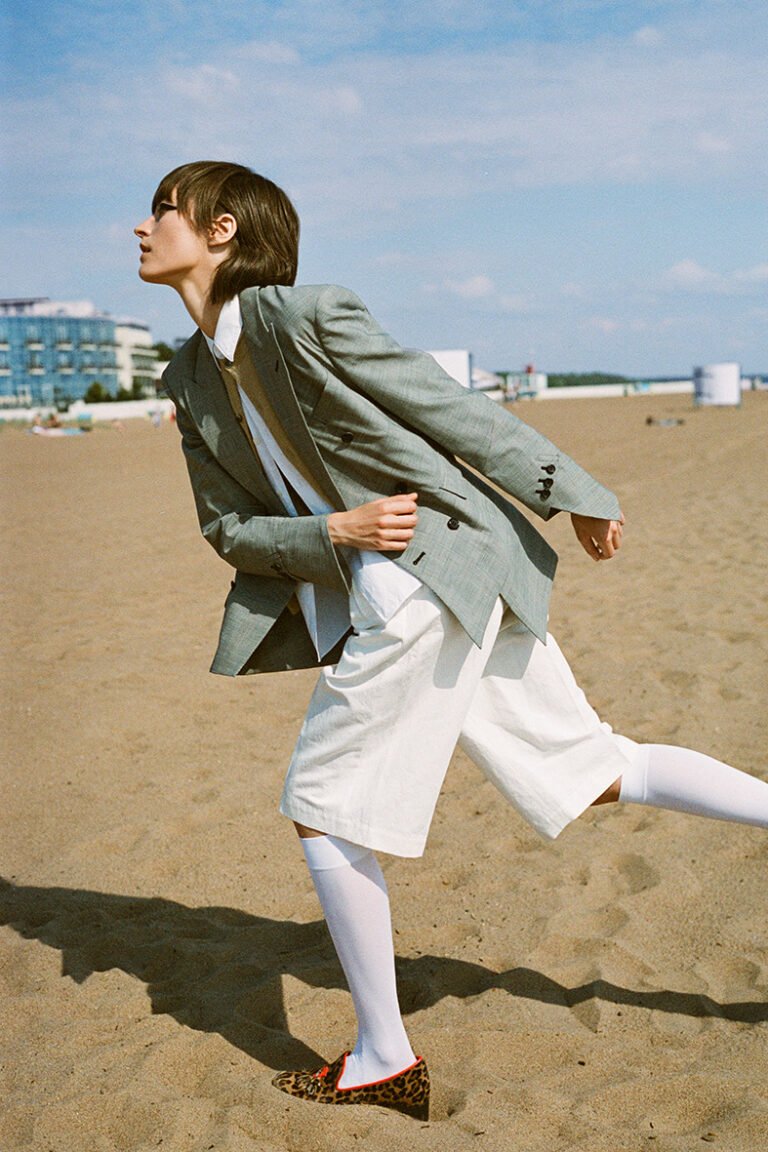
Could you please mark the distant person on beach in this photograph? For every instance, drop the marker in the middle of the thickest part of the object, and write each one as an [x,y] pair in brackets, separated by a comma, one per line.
[327,467]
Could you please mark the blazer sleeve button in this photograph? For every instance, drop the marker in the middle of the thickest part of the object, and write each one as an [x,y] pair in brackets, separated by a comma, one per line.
[549,469]
[453,524]
[545,495]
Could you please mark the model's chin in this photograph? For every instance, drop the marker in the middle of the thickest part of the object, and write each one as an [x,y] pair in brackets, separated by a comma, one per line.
[149,276]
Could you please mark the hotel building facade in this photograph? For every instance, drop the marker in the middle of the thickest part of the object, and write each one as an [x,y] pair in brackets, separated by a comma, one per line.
[51,352]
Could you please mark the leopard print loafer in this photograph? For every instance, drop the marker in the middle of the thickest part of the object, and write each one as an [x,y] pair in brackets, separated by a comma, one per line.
[406,1092]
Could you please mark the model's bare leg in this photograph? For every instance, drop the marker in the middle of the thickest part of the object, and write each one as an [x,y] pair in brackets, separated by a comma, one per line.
[353,895]
[611,794]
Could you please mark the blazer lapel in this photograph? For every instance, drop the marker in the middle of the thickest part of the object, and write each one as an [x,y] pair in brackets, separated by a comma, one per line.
[211,409]
[276,381]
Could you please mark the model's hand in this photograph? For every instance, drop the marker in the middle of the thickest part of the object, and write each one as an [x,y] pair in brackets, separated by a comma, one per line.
[600,539]
[384,525]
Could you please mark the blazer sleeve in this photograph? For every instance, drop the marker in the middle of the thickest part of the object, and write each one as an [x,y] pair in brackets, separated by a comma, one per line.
[245,533]
[412,386]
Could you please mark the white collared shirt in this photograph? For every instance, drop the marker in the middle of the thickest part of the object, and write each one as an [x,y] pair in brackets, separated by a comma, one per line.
[382,584]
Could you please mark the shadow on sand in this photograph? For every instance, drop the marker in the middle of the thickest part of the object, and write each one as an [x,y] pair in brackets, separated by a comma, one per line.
[220,970]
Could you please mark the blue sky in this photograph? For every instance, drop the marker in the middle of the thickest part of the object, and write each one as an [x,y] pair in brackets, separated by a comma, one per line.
[582,183]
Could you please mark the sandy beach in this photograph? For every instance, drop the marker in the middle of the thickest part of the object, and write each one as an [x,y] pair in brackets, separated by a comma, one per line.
[161,947]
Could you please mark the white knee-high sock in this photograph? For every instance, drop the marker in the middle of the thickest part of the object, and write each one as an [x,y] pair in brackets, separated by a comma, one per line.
[678,778]
[353,895]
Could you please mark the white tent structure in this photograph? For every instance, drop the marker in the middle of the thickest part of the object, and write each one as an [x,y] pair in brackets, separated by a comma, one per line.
[717,384]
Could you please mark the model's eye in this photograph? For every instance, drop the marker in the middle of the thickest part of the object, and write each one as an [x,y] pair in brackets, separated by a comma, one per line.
[163,207]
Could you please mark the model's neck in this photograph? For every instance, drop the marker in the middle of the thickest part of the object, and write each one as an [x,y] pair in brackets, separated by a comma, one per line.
[196,299]
[207,318]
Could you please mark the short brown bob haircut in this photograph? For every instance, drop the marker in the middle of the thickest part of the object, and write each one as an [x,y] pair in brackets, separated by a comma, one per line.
[265,249]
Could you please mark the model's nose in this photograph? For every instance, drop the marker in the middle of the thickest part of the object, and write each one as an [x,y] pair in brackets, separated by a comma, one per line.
[142,229]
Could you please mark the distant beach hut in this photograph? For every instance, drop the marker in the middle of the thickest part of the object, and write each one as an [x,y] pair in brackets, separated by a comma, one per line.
[717,384]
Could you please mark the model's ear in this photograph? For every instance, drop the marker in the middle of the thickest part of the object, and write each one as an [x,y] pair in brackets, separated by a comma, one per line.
[222,229]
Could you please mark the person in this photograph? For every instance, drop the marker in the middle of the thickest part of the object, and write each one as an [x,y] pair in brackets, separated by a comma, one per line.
[355,489]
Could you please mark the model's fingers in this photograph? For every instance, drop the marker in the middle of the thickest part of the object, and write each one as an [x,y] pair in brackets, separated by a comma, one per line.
[400,504]
[588,544]
[391,543]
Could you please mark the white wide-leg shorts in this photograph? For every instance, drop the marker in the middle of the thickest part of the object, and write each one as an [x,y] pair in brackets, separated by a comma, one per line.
[383,723]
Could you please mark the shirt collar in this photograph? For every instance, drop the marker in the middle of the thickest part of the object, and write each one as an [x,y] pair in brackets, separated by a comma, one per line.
[228,329]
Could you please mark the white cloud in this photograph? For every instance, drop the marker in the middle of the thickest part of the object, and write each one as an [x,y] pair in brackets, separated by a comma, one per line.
[605,324]
[634,325]
[202,84]
[691,276]
[757,275]
[473,288]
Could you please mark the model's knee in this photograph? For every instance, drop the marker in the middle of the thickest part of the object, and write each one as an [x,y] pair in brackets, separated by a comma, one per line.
[611,795]
[304,832]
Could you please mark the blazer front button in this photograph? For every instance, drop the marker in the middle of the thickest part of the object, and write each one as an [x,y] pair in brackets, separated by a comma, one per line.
[453,524]
[401,488]
[347,437]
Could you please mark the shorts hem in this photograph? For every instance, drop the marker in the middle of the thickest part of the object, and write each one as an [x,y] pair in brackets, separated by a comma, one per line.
[551,825]
[376,839]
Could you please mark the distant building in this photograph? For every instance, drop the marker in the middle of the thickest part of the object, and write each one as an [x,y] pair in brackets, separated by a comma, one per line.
[136,358]
[457,362]
[51,352]
[524,385]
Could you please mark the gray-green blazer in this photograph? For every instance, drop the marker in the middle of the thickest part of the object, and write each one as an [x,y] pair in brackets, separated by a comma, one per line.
[369,419]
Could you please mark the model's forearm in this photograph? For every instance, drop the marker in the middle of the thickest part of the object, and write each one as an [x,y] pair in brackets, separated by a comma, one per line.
[243,531]
[296,548]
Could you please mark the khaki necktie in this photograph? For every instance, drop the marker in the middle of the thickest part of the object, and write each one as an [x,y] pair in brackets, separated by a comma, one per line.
[244,374]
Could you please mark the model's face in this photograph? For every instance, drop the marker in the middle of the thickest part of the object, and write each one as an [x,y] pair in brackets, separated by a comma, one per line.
[171,249]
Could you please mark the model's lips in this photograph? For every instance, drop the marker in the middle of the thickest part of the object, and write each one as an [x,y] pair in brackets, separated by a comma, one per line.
[144,248]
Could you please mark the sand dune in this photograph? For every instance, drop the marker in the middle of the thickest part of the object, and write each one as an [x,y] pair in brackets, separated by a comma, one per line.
[161,950]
